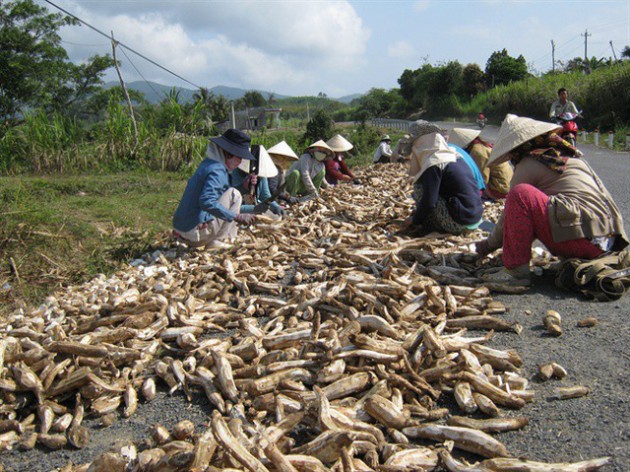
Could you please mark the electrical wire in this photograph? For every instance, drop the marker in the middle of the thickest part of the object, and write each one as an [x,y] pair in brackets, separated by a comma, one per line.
[122,45]
[140,74]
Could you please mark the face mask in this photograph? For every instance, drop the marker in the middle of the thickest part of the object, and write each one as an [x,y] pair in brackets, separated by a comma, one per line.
[320,156]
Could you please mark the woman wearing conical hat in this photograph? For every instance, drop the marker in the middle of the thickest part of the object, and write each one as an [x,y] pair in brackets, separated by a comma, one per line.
[252,180]
[446,193]
[306,176]
[283,157]
[496,178]
[554,197]
[336,168]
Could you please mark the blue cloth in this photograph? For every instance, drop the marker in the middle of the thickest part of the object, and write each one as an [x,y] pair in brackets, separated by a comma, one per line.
[200,201]
[456,185]
[472,164]
[262,191]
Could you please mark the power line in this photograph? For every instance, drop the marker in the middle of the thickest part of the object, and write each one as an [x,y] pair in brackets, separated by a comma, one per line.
[122,45]
[140,73]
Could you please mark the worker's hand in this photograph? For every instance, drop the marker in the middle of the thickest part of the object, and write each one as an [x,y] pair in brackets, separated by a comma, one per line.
[346,177]
[261,208]
[250,180]
[245,219]
[276,209]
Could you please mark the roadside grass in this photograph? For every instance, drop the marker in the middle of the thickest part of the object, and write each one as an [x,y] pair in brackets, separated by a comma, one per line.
[58,231]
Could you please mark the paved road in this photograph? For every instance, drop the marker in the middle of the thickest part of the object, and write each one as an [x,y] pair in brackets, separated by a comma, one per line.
[597,425]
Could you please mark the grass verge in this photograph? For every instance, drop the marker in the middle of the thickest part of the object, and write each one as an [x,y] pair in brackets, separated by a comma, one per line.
[59,231]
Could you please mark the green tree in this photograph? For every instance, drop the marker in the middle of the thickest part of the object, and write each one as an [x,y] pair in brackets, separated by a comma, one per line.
[501,68]
[379,102]
[473,80]
[320,127]
[35,70]
[214,108]
[626,52]
[251,99]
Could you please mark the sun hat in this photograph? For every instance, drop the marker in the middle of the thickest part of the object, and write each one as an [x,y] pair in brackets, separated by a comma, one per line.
[282,149]
[462,137]
[321,144]
[339,144]
[266,167]
[386,138]
[516,130]
[235,142]
[420,128]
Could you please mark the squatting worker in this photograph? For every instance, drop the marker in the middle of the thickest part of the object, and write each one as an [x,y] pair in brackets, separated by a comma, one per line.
[336,168]
[383,153]
[307,175]
[446,194]
[497,178]
[253,182]
[283,157]
[210,206]
[554,197]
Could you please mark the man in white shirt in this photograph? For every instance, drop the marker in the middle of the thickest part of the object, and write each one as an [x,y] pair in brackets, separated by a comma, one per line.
[562,105]
[383,153]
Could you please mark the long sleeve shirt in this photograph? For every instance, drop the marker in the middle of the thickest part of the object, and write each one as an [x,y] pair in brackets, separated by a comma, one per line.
[262,189]
[200,201]
[383,149]
[580,206]
[309,167]
[455,184]
[336,170]
[476,172]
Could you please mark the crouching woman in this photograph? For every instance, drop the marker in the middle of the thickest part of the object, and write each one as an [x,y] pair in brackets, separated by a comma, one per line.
[446,194]
[554,197]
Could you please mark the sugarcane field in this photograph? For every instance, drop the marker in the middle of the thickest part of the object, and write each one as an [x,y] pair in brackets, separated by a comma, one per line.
[325,340]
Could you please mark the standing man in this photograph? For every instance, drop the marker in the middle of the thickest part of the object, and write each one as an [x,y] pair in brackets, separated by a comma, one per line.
[210,207]
[562,105]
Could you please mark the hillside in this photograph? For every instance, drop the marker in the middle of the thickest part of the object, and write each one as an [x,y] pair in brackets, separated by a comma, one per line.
[155,92]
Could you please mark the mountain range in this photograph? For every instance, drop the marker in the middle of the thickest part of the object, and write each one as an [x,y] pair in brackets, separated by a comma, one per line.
[155,92]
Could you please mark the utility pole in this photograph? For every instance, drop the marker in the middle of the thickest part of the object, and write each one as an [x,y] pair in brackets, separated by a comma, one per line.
[613,50]
[586,63]
[124,89]
[553,56]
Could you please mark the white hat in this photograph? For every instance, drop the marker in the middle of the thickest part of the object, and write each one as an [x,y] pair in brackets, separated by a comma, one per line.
[321,144]
[283,149]
[514,131]
[339,144]
[266,167]
[462,137]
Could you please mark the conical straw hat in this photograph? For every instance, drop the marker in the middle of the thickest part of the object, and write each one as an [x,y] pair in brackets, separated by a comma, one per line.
[462,137]
[283,149]
[266,167]
[339,144]
[514,131]
[321,144]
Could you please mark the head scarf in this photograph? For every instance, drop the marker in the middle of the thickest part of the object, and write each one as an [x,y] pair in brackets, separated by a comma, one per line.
[549,149]
[427,151]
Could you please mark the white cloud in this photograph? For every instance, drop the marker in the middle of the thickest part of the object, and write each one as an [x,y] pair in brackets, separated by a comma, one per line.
[401,49]
[240,43]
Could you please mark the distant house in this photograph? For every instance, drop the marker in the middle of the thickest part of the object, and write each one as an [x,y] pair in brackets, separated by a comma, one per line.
[254,119]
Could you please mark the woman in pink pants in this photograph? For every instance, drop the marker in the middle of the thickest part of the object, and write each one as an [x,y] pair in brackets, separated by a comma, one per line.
[554,197]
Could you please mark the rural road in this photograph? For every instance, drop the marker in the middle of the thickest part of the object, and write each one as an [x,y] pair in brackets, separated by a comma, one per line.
[599,357]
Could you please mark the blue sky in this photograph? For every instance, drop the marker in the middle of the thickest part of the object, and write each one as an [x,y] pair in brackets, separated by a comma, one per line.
[303,47]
